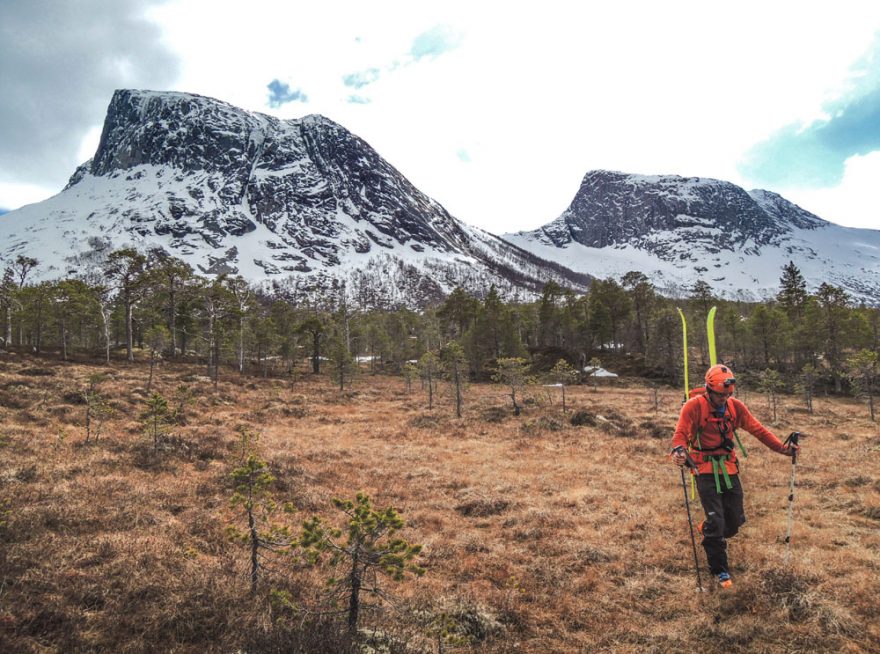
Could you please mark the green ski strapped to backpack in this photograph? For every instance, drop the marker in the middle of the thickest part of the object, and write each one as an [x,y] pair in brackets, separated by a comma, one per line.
[710,333]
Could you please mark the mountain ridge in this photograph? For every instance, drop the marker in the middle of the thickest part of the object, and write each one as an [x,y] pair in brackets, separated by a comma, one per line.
[306,204]
[678,230]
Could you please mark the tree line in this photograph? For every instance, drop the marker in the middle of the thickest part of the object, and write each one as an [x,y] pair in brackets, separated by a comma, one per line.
[159,307]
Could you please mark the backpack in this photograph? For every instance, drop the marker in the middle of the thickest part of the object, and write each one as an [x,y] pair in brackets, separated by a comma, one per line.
[726,427]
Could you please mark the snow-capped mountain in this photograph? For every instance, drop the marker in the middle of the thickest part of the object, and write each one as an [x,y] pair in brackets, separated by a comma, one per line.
[299,202]
[677,230]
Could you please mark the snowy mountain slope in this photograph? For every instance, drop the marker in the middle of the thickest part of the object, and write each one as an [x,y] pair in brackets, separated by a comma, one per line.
[677,230]
[304,201]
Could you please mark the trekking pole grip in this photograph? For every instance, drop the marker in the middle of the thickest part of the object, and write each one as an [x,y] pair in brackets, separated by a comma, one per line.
[793,440]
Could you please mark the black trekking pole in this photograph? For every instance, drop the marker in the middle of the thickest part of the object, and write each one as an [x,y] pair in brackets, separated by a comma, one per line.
[693,466]
[791,440]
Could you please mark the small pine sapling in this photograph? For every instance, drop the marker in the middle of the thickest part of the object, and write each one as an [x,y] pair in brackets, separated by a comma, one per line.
[410,372]
[513,373]
[183,397]
[97,407]
[563,373]
[156,419]
[157,338]
[770,382]
[455,363]
[594,365]
[253,496]
[367,548]
[428,365]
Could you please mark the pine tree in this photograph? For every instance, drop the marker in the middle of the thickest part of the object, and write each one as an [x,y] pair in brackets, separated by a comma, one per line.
[157,338]
[253,482]
[156,419]
[428,365]
[171,277]
[125,268]
[457,312]
[793,291]
[563,374]
[367,546]
[833,303]
[643,297]
[454,360]
[513,373]
[863,371]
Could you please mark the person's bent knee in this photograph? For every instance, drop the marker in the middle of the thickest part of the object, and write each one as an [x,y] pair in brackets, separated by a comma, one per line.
[713,528]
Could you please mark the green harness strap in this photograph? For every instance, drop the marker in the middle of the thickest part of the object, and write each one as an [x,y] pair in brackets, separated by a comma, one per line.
[739,442]
[718,462]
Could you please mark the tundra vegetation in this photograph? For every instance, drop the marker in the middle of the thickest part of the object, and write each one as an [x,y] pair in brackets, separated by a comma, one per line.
[471,528]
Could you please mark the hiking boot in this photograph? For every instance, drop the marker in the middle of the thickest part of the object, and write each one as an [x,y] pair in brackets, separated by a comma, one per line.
[724,580]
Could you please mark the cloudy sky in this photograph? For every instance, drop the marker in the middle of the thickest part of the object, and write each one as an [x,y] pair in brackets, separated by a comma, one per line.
[496,110]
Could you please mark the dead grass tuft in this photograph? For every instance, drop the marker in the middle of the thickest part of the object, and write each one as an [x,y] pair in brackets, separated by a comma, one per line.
[481,508]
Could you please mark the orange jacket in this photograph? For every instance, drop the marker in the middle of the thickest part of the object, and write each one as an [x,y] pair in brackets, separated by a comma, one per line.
[691,421]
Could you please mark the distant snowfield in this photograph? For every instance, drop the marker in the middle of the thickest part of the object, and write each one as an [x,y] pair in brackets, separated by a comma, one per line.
[101,208]
[71,232]
[838,255]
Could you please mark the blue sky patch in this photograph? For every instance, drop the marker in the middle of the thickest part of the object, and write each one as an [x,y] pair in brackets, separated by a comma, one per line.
[815,155]
[434,42]
[362,78]
[280,94]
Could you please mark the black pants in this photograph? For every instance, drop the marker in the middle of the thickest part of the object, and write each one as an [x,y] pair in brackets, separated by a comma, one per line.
[724,516]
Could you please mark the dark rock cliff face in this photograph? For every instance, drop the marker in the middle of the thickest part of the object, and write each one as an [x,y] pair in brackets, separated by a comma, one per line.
[291,174]
[197,172]
[613,208]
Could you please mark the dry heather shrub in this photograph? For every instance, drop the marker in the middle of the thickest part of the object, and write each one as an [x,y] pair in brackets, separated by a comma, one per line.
[36,371]
[785,587]
[11,399]
[494,414]
[583,418]
[872,512]
[294,411]
[656,429]
[539,426]
[483,507]
[426,421]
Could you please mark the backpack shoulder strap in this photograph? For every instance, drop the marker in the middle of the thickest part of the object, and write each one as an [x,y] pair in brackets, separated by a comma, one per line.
[704,417]
[732,413]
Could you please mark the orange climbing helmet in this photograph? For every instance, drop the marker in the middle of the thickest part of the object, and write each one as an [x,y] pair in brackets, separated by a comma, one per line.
[720,379]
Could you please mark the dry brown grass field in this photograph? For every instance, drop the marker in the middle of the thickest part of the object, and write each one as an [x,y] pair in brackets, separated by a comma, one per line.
[539,536]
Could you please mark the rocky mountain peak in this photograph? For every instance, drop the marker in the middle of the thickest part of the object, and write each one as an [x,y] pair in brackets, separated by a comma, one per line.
[614,208]
[232,191]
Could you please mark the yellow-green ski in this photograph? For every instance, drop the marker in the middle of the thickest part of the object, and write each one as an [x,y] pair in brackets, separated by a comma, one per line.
[710,332]
[684,339]
[687,392]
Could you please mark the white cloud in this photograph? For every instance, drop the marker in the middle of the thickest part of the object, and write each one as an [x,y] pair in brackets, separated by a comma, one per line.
[854,202]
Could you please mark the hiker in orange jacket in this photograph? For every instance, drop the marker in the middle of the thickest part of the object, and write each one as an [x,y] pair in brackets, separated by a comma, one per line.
[705,433]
